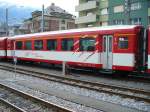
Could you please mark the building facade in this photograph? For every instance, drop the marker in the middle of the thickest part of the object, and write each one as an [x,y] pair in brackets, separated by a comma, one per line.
[55,18]
[17,29]
[2,29]
[112,12]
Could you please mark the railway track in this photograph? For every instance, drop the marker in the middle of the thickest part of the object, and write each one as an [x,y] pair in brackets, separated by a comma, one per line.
[23,102]
[132,93]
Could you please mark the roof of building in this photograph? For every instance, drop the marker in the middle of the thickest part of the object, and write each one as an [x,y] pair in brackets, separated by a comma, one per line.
[54,11]
[53,8]
[103,28]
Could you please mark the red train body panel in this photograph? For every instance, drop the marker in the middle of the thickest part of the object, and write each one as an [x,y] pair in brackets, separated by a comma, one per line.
[3,48]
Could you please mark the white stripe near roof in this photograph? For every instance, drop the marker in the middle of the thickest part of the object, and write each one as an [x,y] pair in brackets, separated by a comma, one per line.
[114,27]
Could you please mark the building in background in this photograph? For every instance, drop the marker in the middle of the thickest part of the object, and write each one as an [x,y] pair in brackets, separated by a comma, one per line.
[112,12]
[17,29]
[2,29]
[2,32]
[55,18]
[88,13]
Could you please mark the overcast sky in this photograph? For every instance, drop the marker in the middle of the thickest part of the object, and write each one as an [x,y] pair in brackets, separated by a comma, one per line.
[68,5]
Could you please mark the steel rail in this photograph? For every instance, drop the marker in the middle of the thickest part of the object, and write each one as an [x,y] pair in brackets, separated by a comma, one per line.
[50,105]
[11,105]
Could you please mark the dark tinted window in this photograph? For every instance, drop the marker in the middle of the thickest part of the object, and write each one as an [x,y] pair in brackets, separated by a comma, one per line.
[51,44]
[19,45]
[38,44]
[67,44]
[87,44]
[28,45]
[123,43]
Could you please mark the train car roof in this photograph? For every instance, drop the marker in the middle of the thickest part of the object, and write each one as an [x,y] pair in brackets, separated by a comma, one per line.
[102,28]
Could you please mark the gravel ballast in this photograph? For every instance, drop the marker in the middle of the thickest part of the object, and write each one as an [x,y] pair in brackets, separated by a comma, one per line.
[75,90]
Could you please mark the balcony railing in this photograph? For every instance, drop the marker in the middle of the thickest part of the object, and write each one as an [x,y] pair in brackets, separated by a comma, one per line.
[86,6]
[86,19]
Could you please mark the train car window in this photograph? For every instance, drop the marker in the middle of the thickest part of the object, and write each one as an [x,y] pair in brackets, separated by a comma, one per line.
[51,44]
[38,44]
[87,44]
[28,45]
[67,44]
[18,45]
[123,43]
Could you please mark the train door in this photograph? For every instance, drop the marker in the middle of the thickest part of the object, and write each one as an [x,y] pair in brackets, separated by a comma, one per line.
[107,52]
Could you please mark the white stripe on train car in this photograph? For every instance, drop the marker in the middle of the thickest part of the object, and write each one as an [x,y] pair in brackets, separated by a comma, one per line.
[148,61]
[103,28]
[83,57]
[123,59]
[2,53]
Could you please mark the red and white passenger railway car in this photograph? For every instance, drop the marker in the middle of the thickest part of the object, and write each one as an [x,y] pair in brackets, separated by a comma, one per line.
[3,47]
[105,48]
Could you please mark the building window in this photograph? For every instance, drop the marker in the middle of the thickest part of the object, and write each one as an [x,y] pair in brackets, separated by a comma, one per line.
[46,24]
[136,6]
[19,45]
[104,23]
[118,22]
[104,11]
[89,13]
[63,21]
[136,21]
[118,9]
[67,44]
[87,44]
[89,0]
[28,45]
[63,28]
[123,43]
[38,44]
[51,44]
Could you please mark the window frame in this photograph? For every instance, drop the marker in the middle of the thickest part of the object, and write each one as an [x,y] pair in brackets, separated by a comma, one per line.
[80,39]
[118,21]
[67,39]
[42,45]
[25,44]
[104,11]
[118,45]
[135,6]
[136,21]
[16,47]
[118,9]
[47,44]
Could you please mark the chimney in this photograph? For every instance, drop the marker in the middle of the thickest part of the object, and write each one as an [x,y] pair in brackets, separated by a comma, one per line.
[52,4]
